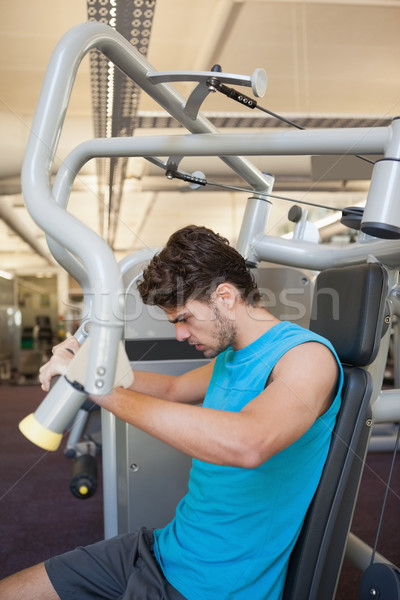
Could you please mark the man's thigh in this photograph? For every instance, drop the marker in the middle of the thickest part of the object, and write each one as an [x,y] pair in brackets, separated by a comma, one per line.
[122,568]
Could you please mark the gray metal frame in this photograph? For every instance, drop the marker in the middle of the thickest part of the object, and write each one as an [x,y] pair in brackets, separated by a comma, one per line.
[89,259]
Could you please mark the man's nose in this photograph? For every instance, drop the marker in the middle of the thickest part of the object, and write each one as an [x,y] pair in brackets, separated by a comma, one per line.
[181,332]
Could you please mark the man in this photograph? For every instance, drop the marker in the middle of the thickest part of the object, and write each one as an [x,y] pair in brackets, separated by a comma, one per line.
[259,441]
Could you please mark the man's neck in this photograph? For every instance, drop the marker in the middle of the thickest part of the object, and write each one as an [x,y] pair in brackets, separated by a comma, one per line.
[253,322]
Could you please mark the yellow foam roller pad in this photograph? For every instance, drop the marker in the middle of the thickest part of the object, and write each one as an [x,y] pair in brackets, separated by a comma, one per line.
[39,435]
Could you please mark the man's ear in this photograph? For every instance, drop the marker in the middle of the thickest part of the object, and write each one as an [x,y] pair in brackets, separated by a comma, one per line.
[226,293]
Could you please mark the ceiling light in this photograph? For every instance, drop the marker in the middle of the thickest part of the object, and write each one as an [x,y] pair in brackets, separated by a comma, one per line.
[6,275]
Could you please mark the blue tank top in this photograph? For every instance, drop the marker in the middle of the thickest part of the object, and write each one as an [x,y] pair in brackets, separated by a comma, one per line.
[234,531]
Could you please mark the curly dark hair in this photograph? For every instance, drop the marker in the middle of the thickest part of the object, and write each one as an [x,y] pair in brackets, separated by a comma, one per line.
[191,266]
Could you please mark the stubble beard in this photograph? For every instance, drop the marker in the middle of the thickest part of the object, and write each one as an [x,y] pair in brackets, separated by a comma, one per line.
[225,334]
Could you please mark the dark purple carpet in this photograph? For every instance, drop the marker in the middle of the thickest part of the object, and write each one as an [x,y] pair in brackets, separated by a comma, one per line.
[39,517]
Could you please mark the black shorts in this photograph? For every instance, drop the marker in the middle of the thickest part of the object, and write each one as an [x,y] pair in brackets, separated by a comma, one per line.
[121,568]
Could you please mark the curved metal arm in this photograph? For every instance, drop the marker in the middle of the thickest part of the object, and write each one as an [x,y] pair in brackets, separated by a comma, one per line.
[86,254]
[98,260]
[252,244]
[75,246]
[321,256]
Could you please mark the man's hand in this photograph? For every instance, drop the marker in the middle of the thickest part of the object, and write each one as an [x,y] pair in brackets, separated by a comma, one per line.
[58,364]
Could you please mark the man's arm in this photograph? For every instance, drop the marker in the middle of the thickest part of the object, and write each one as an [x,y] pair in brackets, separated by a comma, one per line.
[190,387]
[300,389]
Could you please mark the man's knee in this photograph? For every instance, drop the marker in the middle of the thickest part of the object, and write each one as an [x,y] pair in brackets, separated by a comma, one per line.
[30,584]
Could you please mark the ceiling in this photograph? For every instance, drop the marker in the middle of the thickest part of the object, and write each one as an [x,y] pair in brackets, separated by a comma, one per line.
[328,64]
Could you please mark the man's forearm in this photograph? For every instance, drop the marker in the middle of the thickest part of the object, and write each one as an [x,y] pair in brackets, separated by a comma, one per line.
[188,388]
[154,384]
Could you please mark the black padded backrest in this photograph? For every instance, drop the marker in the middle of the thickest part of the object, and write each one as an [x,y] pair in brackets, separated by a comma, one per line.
[348,309]
[317,556]
[354,329]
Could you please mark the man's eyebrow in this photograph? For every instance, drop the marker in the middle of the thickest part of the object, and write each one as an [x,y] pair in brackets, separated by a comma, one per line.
[179,318]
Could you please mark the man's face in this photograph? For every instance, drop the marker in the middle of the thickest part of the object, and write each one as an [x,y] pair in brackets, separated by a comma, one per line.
[203,325]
